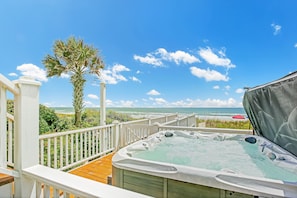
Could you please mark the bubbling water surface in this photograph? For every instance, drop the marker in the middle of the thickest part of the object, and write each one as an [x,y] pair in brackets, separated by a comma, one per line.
[233,156]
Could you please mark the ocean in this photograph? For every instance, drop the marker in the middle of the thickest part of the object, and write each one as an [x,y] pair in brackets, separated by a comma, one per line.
[203,113]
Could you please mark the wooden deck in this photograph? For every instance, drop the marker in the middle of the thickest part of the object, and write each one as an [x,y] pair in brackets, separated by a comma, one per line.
[5,179]
[97,170]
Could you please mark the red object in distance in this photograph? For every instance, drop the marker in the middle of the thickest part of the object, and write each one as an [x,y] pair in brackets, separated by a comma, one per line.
[238,117]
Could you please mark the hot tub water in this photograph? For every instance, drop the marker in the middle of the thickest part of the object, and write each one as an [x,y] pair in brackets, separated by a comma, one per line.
[216,152]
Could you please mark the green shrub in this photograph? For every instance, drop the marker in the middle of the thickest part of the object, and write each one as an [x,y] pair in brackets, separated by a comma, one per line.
[49,116]
[43,126]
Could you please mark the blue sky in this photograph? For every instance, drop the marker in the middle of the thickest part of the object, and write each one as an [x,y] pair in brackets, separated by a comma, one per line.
[169,53]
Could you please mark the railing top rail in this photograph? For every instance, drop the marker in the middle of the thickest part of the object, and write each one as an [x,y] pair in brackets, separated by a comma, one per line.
[135,121]
[206,129]
[52,135]
[79,186]
[9,116]
[9,85]
[147,119]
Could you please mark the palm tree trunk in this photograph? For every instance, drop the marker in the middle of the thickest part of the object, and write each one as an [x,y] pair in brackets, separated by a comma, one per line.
[78,84]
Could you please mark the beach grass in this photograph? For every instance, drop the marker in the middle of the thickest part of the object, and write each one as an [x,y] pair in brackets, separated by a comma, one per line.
[231,124]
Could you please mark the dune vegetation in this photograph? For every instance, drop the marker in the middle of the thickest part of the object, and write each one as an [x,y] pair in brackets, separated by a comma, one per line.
[231,124]
[50,121]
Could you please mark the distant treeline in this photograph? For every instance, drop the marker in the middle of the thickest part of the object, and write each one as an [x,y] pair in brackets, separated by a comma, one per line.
[50,122]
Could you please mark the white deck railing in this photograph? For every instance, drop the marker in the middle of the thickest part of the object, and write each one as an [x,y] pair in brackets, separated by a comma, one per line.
[65,150]
[188,121]
[10,142]
[57,184]
[19,145]
[19,141]
[6,122]
[205,129]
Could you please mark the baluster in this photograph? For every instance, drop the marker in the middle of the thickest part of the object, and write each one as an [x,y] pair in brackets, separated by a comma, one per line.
[49,152]
[85,144]
[42,152]
[61,151]
[66,151]
[71,149]
[81,146]
[93,142]
[39,190]
[101,140]
[76,146]
[55,152]
[89,143]
[97,141]
[10,145]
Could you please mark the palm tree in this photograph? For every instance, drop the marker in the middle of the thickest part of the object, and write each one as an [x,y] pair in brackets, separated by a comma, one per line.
[77,59]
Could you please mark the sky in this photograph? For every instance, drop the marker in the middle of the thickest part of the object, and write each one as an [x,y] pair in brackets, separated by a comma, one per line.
[157,53]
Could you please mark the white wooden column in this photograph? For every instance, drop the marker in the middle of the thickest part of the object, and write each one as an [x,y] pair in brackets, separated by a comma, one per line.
[26,147]
[116,135]
[102,104]
[3,128]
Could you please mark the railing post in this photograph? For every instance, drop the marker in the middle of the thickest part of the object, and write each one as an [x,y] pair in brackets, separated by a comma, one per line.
[102,104]
[26,134]
[3,130]
[116,134]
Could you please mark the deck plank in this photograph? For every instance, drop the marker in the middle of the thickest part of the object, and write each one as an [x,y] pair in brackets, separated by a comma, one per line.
[5,179]
[97,170]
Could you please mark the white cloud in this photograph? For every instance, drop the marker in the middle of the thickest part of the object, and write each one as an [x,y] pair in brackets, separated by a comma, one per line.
[160,101]
[239,91]
[12,74]
[295,45]
[151,101]
[220,103]
[65,75]
[32,71]
[108,102]
[210,57]
[177,56]
[230,102]
[93,96]
[216,87]
[47,104]
[113,75]
[88,104]
[149,59]
[119,68]
[126,103]
[157,57]
[106,76]
[227,87]
[133,78]
[153,93]
[276,28]
[182,103]
[208,75]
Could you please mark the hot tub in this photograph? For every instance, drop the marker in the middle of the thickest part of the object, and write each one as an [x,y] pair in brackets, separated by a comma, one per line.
[193,164]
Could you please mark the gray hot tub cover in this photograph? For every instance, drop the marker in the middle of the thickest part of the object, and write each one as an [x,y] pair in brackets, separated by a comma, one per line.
[272,110]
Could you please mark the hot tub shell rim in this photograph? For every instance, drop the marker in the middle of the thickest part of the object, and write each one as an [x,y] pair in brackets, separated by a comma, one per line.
[212,178]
